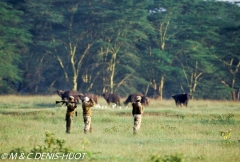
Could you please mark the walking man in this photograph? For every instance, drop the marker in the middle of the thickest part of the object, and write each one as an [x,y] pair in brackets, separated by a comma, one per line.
[71,106]
[137,112]
[87,103]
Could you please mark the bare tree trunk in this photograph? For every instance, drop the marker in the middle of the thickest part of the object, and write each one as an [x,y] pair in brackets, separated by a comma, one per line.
[74,69]
[155,88]
[160,88]
[63,68]
[146,91]
[232,72]
[234,96]
[112,70]
[104,90]
[112,64]
[192,82]
[122,81]
[52,84]
[238,94]
[163,31]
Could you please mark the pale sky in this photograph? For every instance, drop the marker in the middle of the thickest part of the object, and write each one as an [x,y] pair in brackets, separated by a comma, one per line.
[230,0]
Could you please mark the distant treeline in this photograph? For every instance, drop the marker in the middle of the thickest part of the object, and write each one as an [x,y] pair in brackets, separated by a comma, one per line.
[155,47]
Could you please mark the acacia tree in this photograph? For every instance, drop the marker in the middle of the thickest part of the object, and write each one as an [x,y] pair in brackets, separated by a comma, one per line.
[197,40]
[230,61]
[77,36]
[64,34]
[123,24]
[184,41]
[14,37]
[195,61]
[227,54]
[164,18]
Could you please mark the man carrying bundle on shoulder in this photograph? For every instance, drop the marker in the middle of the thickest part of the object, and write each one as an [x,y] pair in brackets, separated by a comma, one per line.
[87,104]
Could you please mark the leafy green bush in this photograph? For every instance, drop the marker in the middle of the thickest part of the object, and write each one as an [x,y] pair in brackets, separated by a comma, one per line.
[225,119]
[221,119]
[167,158]
[53,145]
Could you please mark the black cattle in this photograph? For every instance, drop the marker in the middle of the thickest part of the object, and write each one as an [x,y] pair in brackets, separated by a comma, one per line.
[65,95]
[132,97]
[145,100]
[89,95]
[181,99]
[112,98]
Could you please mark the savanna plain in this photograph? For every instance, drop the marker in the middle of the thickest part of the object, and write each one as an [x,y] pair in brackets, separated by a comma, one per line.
[205,131]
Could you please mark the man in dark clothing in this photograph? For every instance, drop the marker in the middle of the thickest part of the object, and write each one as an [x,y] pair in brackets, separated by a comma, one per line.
[137,112]
[71,106]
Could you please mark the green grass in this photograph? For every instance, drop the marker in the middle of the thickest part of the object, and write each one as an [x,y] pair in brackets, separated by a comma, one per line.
[167,132]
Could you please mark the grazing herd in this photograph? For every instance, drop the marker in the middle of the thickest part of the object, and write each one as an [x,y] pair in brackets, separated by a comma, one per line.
[180,99]
[112,98]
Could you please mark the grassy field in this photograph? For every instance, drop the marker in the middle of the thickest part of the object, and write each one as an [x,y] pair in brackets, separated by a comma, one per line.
[167,132]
